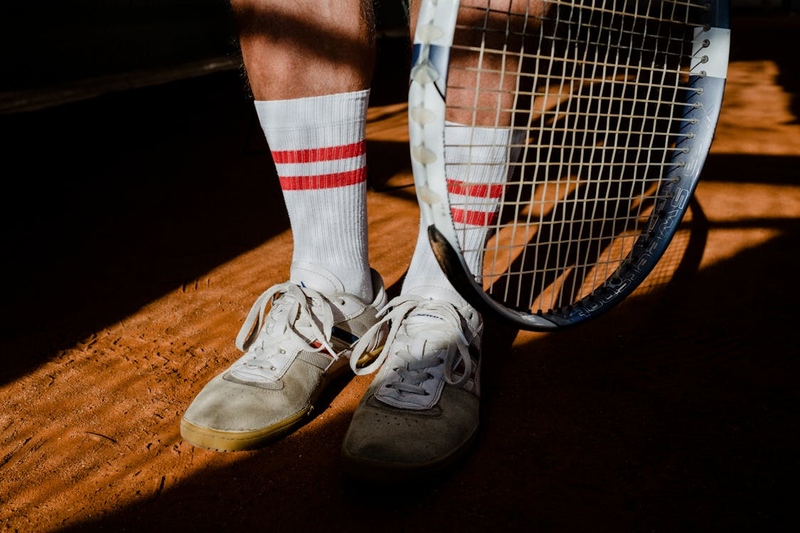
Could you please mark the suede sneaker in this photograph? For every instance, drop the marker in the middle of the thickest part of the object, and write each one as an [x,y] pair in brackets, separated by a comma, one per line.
[421,411]
[291,354]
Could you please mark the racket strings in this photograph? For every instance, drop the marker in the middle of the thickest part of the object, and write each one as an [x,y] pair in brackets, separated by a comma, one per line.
[599,98]
[614,254]
[509,30]
[489,9]
[639,48]
[541,93]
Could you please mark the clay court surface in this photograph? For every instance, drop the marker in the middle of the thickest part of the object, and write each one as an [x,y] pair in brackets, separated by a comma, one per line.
[142,225]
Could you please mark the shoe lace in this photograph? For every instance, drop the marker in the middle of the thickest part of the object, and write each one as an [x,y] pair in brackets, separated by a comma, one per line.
[423,334]
[299,317]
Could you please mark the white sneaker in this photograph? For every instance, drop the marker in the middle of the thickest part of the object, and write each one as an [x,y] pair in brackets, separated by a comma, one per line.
[291,354]
[422,410]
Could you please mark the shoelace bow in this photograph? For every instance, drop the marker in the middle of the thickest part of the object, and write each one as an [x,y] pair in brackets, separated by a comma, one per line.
[289,322]
[419,342]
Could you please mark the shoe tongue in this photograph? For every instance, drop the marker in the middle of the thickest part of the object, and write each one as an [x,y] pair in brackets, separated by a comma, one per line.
[431,314]
[430,292]
[424,316]
[316,278]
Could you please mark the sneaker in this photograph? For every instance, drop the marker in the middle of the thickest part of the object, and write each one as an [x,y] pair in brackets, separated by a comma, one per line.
[421,411]
[291,355]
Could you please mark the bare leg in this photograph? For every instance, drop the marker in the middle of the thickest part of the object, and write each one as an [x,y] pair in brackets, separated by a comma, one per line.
[306,48]
[421,410]
[310,63]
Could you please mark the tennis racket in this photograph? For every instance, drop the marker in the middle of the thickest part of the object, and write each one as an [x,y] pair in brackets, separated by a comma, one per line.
[556,144]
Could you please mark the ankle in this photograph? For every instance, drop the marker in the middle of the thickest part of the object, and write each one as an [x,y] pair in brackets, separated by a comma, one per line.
[331,280]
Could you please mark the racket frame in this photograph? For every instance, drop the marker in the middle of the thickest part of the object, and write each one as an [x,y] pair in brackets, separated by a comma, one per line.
[427,97]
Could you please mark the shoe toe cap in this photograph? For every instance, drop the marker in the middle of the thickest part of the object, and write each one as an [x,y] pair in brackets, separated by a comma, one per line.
[234,407]
[403,439]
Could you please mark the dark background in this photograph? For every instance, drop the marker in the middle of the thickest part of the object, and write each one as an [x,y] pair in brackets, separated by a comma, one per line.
[133,164]
[55,51]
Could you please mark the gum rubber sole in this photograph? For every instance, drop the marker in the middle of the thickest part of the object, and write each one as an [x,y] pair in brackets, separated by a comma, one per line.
[236,441]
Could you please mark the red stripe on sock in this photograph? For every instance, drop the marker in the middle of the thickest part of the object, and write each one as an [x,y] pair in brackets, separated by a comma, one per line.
[473,218]
[323,181]
[330,153]
[478,191]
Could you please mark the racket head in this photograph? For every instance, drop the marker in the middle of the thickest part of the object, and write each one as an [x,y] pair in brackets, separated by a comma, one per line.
[612,106]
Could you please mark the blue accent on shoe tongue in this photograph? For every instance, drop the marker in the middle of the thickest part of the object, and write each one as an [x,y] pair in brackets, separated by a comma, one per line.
[428,316]
[303,284]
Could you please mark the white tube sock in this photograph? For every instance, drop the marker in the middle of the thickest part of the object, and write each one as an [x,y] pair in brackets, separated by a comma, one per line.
[476,171]
[318,145]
